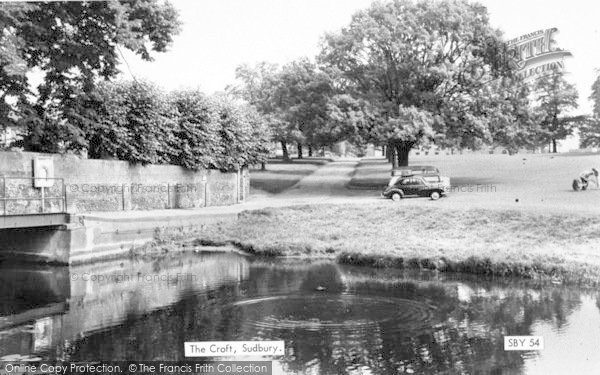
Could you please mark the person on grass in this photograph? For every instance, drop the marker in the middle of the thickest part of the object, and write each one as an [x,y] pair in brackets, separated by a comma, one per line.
[588,175]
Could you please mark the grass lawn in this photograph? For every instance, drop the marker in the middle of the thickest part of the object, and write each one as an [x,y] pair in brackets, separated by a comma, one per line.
[371,174]
[281,175]
[560,247]
[538,181]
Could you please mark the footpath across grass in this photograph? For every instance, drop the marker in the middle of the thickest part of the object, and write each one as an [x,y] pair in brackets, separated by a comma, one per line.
[563,248]
[281,175]
[371,174]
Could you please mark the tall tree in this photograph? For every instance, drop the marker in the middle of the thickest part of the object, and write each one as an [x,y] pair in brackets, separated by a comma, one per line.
[196,135]
[129,120]
[513,123]
[73,44]
[555,98]
[589,131]
[305,93]
[242,133]
[405,57]
[259,86]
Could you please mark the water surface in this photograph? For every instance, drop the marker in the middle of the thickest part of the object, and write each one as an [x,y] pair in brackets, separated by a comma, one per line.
[334,319]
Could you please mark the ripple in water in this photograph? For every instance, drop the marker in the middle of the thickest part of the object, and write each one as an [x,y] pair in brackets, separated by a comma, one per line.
[333,312]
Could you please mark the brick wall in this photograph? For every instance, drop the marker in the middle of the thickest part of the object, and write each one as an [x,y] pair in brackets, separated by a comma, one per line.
[111,185]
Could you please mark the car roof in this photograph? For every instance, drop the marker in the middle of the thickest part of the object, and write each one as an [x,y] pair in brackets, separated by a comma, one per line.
[415,167]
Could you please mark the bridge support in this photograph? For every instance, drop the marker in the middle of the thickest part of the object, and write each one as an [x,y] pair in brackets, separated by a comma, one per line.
[40,245]
[87,238]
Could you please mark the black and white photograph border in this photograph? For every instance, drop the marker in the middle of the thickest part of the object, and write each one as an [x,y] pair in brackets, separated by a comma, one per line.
[299,187]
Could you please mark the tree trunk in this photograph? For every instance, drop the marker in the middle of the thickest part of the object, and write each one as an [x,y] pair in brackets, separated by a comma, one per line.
[286,155]
[393,152]
[300,156]
[402,149]
[389,154]
[310,151]
[263,166]
[383,151]
[554,146]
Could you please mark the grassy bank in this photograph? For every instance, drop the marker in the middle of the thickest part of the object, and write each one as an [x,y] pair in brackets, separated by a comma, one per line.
[281,175]
[564,248]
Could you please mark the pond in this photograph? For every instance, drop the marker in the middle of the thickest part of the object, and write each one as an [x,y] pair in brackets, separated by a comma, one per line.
[333,319]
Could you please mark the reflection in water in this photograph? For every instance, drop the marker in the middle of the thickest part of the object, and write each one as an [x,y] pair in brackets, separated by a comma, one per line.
[333,319]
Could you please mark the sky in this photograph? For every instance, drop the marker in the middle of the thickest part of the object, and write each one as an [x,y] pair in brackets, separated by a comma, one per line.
[219,35]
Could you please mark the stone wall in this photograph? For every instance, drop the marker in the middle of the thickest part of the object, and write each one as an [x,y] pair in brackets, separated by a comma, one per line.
[111,185]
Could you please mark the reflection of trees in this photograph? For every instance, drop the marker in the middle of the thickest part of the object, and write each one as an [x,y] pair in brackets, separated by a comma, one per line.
[470,337]
[464,333]
[161,334]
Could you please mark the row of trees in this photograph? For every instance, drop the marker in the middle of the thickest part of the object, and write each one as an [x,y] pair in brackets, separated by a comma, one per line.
[138,122]
[75,47]
[295,100]
[404,74]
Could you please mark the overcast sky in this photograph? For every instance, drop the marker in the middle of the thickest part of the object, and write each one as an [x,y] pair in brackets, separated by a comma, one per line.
[217,36]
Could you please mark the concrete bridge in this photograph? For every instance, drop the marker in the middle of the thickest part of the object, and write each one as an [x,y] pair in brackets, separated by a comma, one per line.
[27,202]
[33,220]
[36,227]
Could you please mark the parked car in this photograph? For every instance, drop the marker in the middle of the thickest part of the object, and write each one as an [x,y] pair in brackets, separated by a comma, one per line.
[434,186]
[430,173]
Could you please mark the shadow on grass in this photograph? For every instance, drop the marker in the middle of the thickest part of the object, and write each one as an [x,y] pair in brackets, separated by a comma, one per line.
[313,161]
[281,175]
[273,186]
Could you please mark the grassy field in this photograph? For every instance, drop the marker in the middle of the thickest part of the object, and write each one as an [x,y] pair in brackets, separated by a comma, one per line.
[281,175]
[370,174]
[522,181]
[563,248]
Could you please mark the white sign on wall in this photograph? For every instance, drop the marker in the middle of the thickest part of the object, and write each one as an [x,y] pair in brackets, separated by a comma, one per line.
[43,171]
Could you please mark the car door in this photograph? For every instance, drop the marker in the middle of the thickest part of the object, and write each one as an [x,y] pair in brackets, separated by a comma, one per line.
[408,186]
[420,187]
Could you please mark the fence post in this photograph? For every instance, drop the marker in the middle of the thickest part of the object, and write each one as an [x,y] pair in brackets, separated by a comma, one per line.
[43,199]
[64,196]
[123,196]
[237,184]
[4,193]
[205,180]
[168,195]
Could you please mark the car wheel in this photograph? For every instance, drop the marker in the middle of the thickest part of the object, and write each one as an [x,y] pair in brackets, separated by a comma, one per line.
[396,197]
[435,195]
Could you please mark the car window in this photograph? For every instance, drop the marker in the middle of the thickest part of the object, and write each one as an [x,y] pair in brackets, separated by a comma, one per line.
[410,181]
[434,178]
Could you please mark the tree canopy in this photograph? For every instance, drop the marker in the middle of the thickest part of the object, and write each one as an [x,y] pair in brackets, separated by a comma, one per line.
[589,131]
[139,122]
[555,98]
[430,61]
[73,45]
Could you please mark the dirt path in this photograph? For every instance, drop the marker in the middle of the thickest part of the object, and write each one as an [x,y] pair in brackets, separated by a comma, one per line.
[325,185]
[328,181]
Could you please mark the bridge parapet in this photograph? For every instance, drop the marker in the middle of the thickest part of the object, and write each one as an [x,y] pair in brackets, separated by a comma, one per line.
[21,196]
